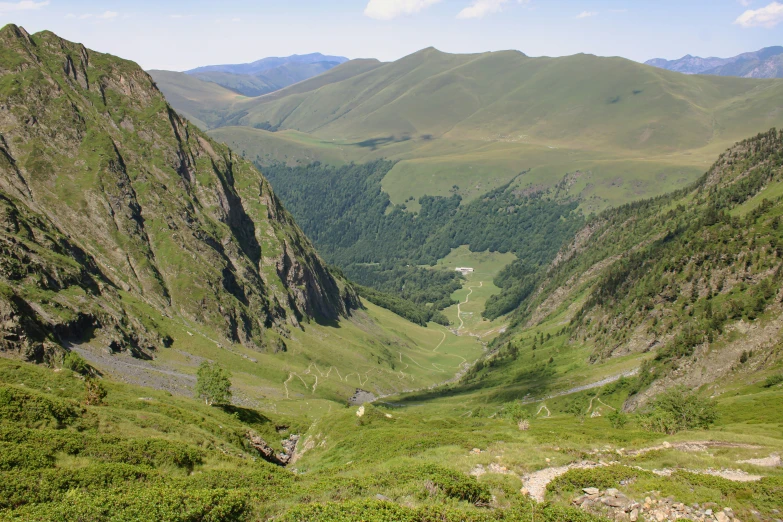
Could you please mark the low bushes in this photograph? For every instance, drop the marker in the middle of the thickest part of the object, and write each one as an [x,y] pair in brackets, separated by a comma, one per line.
[142,504]
[601,478]
[375,511]
[21,456]
[34,409]
[676,410]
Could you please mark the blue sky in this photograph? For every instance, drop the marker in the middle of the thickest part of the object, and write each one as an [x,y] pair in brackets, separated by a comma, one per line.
[179,35]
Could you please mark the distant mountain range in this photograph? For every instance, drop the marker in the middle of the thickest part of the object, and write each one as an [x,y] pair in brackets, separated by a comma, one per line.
[257,78]
[267,74]
[265,64]
[766,63]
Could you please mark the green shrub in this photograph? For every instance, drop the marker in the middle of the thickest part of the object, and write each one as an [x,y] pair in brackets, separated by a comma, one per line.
[32,408]
[773,380]
[677,409]
[94,392]
[458,486]
[19,487]
[375,511]
[213,384]
[602,478]
[50,440]
[21,456]
[74,362]
[142,504]
[618,419]
[149,452]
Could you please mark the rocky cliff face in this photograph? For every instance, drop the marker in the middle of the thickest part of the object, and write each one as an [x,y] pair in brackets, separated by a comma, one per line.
[109,203]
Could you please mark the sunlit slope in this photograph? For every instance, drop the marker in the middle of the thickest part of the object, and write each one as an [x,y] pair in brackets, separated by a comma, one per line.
[476,121]
[581,101]
[201,102]
[207,100]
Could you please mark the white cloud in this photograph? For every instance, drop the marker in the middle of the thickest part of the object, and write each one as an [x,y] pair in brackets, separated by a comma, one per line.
[745,3]
[24,5]
[235,19]
[481,8]
[108,15]
[768,16]
[586,14]
[389,9]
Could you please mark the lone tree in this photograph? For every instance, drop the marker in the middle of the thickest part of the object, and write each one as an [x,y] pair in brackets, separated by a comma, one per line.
[213,384]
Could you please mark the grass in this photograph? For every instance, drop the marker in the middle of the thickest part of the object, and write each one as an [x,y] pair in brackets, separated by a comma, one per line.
[375,350]
[486,265]
[467,120]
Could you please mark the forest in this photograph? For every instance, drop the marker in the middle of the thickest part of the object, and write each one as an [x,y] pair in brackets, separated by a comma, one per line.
[385,247]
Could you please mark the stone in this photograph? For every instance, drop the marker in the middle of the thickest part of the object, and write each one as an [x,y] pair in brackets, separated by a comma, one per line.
[360,411]
[525,492]
[592,491]
[382,498]
[612,492]
[634,515]
[666,445]
[720,516]
[659,516]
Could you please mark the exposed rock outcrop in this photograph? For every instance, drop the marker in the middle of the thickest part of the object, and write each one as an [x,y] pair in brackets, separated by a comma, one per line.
[107,196]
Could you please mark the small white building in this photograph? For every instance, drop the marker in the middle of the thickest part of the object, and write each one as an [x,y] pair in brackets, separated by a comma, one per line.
[464,270]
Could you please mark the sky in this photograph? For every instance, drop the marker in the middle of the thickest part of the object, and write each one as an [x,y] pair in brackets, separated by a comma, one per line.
[180,35]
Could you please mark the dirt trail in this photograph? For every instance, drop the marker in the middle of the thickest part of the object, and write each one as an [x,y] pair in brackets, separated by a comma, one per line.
[536,482]
[467,299]
[583,387]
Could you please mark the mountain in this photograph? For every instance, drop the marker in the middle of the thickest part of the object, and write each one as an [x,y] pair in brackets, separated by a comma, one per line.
[766,63]
[640,376]
[266,64]
[476,121]
[686,285]
[110,198]
[688,64]
[542,137]
[267,81]
[203,103]
[256,78]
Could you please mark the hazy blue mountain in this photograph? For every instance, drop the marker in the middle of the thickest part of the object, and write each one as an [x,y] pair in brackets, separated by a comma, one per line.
[765,63]
[264,64]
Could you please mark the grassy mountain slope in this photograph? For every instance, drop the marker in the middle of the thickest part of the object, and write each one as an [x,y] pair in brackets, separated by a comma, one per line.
[606,101]
[764,63]
[138,242]
[97,165]
[243,84]
[265,64]
[471,120]
[207,98]
[203,103]
[267,81]
[686,288]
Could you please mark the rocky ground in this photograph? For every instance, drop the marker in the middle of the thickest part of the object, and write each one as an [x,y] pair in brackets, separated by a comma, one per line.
[619,507]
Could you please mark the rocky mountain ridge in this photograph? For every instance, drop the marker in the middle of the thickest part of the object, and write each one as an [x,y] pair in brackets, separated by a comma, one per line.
[111,203]
[689,283]
[765,63]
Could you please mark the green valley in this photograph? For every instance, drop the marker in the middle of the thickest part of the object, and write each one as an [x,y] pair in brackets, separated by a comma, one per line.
[477,120]
[470,288]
